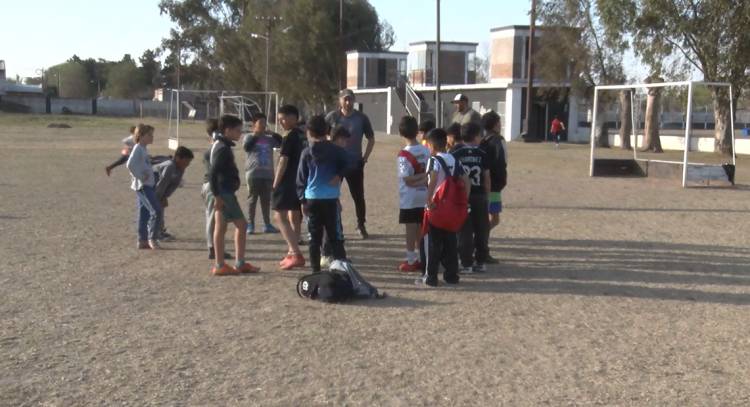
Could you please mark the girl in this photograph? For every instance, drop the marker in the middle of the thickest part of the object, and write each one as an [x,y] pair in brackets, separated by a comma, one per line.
[148,206]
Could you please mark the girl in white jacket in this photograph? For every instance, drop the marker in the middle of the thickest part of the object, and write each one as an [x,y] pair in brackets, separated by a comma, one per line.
[148,206]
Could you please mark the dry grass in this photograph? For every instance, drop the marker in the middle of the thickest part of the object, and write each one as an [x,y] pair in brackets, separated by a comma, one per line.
[609,292]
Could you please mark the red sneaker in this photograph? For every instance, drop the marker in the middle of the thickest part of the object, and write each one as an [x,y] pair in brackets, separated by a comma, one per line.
[247,268]
[405,267]
[225,270]
[285,259]
[293,261]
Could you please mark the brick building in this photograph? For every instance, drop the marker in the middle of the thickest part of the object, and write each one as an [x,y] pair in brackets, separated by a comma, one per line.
[457,63]
[375,69]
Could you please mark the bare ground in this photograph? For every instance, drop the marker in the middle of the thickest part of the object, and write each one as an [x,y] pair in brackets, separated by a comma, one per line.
[609,292]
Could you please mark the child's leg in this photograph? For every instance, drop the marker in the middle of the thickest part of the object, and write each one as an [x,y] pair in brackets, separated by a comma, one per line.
[479,216]
[332,222]
[282,218]
[434,248]
[265,200]
[142,216]
[240,237]
[252,198]
[465,239]
[220,228]
[295,220]
[316,217]
[153,207]
[449,256]
[412,240]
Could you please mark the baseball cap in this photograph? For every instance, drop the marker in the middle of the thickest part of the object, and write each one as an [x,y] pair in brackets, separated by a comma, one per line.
[346,93]
[459,98]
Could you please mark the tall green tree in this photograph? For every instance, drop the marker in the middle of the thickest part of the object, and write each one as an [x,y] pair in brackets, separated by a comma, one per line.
[712,35]
[125,80]
[214,38]
[69,79]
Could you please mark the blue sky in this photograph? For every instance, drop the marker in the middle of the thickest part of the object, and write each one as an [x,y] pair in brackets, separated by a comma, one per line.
[41,33]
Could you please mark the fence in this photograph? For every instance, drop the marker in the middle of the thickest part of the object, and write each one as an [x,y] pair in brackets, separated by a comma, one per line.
[100,107]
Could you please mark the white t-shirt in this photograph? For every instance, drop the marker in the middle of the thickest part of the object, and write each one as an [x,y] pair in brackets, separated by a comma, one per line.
[434,165]
[412,197]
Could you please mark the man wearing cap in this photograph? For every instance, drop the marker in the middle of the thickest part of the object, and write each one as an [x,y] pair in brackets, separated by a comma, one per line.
[464,114]
[359,126]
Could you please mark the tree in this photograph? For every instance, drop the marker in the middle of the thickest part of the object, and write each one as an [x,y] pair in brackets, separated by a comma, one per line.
[69,80]
[579,45]
[213,39]
[125,80]
[712,35]
[651,140]
[151,68]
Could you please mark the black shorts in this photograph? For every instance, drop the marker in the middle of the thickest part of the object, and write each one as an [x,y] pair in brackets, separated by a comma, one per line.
[284,198]
[414,215]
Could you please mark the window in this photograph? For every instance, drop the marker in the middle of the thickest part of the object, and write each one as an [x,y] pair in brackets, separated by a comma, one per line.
[471,63]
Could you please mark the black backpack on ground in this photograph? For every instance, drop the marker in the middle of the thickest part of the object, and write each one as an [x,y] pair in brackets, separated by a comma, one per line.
[342,282]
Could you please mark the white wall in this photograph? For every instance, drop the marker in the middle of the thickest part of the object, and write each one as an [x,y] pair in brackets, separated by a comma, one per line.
[677,143]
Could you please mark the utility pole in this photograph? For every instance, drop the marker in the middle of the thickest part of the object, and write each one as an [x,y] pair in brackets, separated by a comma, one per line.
[438,106]
[270,21]
[341,67]
[530,71]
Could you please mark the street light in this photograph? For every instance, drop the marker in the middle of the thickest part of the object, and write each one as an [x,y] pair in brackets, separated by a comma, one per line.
[268,54]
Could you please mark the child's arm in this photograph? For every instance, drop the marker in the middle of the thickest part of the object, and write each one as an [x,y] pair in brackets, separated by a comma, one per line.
[303,173]
[416,180]
[486,176]
[280,169]
[249,143]
[431,186]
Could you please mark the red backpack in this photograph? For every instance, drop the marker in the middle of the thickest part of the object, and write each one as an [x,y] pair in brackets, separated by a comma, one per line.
[451,204]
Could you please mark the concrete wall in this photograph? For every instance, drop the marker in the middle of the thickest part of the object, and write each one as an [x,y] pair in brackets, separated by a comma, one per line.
[104,107]
[375,106]
[703,144]
[36,103]
[77,106]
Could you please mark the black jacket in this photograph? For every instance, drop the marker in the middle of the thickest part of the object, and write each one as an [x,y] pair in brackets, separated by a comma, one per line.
[223,175]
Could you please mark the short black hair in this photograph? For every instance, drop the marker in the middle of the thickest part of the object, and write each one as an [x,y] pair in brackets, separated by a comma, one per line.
[437,138]
[490,120]
[317,126]
[470,131]
[340,132]
[454,130]
[212,126]
[258,116]
[183,152]
[426,126]
[289,110]
[229,122]
[408,127]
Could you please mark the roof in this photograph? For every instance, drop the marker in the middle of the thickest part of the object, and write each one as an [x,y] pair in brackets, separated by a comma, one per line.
[511,27]
[7,87]
[468,44]
[354,51]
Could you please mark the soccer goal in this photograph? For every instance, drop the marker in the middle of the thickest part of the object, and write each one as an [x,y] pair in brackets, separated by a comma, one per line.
[195,105]
[678,128]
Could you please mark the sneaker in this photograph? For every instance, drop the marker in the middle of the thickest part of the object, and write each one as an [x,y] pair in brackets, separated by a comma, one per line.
[250,228]
[466,270]
[405,267]
[479,268]
[325,262]
[143,244]
[166,237]
[293,261]
[491,260]
[154,245]
[224,270]
[270,229]
[285,259]
[451,279]
[363,232]
[425,282]
[247,268]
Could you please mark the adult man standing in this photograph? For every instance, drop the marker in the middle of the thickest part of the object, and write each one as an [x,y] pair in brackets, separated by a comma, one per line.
[464,114]
[359,126]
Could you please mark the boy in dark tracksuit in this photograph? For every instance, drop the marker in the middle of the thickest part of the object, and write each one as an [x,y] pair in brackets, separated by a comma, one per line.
[494,145]
[321,169]
[472,238]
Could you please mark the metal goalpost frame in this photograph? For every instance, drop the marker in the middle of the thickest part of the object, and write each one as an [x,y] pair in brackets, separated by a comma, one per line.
[688,120]
[175,112]
[272,98]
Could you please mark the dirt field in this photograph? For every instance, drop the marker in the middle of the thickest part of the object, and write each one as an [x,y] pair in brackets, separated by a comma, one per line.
[609,292]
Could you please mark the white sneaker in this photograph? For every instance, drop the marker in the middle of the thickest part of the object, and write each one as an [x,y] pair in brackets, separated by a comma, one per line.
[479,268]
[325,262]
[466,270]
[154,244]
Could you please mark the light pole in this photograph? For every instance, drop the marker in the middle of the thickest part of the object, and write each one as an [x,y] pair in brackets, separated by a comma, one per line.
[268,55]
[438,108]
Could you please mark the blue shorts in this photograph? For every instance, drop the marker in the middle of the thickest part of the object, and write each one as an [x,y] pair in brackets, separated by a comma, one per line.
[495,203]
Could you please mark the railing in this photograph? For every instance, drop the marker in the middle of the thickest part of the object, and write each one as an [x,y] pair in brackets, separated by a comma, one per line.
[413,103]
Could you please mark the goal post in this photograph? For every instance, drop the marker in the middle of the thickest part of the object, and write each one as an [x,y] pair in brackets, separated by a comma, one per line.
[699,170]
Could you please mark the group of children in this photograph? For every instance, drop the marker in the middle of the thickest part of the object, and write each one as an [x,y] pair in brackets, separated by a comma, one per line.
[481,163]
[307,181]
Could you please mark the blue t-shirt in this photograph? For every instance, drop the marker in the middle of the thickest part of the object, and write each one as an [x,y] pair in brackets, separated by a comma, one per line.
[358,125]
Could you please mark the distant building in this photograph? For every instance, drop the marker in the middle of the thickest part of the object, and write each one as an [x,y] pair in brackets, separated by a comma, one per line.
[375,69]
[8,88]
[457,63]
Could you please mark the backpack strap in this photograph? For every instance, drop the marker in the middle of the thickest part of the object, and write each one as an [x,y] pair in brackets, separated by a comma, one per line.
[412,160]
[443,165]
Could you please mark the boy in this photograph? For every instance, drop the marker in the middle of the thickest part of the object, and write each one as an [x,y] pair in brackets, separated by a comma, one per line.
[285,202]
[322,167]
[212,127]
[425,128]
[453,136]
[556,129]
[127,146]
[168,177]
[340,137]
[259,171]
[412,188]
[224,181]
[472,238]
[494,145]
[440,246]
